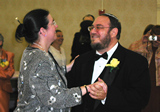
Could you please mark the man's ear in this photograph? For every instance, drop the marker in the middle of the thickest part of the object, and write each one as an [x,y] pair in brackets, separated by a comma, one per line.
[42,31]
[114,32]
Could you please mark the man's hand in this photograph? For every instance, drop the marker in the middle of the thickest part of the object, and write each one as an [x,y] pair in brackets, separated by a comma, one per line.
[98,90]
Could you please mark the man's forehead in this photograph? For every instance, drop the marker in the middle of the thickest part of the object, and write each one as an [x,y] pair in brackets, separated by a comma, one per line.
[103,20]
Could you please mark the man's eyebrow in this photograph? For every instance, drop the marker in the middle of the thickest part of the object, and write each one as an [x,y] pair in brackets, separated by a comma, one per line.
[99,25]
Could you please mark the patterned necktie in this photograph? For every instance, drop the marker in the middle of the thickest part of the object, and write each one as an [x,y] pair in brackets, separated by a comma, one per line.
[104,55]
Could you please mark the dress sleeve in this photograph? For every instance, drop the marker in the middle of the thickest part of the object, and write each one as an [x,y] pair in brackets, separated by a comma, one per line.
[48,86]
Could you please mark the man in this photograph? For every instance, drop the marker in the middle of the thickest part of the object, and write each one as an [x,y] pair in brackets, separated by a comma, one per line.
[6,72]
[126,73]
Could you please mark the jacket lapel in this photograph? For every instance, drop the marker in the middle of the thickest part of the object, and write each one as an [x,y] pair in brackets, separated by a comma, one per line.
[109,75]
[87,69]
[108,79]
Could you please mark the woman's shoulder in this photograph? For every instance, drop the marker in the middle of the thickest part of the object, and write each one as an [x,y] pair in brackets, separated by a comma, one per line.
[34,54]
[8,52]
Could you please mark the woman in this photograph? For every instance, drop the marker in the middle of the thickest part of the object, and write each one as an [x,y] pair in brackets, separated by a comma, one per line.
[56,49]
[42,85]
[6,73]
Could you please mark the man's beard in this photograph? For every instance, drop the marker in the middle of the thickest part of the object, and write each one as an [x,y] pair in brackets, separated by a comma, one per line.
[104,43]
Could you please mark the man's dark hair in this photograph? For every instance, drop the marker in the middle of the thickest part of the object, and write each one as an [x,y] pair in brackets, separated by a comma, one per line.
[114,23]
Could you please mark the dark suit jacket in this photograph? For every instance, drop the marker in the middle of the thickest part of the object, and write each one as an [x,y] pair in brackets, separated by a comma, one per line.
[128,87]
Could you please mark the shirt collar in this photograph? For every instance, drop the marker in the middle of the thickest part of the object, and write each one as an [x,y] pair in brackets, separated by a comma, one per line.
[111,51]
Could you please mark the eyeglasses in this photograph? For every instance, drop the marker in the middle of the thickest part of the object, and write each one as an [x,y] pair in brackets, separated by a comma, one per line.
[97,28]
[54,23]
[59,35]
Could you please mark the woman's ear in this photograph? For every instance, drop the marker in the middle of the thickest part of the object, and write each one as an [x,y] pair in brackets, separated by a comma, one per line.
[114,32]
[42,31]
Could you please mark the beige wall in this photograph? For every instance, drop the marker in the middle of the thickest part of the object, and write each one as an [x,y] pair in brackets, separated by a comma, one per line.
[158,12]
[134,15]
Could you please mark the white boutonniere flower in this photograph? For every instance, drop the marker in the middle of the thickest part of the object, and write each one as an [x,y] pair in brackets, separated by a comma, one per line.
[113,64]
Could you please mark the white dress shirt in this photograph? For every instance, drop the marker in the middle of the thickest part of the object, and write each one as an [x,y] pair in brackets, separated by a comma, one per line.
[99,65]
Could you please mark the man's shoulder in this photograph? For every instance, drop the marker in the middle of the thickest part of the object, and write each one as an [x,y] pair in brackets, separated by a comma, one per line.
[131,55]
[134,57]
[87,56]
